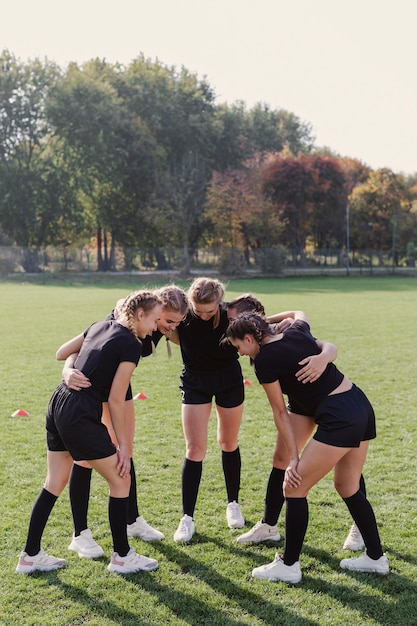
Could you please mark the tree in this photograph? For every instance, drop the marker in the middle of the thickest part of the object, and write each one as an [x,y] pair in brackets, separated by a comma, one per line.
[37,198]
[112,150]
[379,207]
[240,213]
[308,193]
[273,130]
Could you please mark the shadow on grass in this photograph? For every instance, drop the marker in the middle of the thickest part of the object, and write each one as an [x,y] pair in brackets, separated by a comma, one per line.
[184,606]
[384,599]
[189,608]
[395,600]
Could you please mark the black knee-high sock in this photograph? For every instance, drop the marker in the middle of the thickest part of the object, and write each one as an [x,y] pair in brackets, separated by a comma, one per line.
[118,522]
[79,493]
[274,499]
[362,512]
[231,463]
[40,514]
[132,509]
[191,477]
[296,522]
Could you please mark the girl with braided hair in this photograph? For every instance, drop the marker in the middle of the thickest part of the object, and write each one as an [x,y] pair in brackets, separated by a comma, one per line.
[345,423]
[174,308]
[110,351]
[266,529]
[210,372]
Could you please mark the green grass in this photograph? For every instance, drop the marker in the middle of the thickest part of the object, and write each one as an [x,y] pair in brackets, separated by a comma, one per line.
[373,322]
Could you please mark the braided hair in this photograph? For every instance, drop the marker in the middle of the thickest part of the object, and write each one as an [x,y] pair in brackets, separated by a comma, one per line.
[146,300]
[173,298]
[250,324]
[205,291]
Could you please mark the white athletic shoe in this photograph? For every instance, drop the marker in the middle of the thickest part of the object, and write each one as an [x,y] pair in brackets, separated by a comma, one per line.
[131,563]
[234,516]
[85,546]
[40,562]
[354,540]
[140,528]
[260,532]
[185,530]
[277,570]
[364,563]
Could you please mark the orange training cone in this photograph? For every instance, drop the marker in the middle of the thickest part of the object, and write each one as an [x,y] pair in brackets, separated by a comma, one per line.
[247,382]
[21,412]
[140,396]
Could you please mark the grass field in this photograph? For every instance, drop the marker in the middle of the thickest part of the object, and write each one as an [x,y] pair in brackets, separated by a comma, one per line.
[373,322]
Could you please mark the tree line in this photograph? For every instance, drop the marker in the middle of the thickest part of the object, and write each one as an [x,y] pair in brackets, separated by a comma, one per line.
[141,155]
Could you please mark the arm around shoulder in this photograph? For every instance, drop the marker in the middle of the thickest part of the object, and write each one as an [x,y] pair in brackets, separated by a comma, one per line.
[69,347]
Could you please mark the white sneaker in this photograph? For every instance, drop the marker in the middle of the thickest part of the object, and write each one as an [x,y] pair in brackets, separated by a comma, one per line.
[277,570]
[185,530]
[85,546]
[260,532]
[364,563]
[234,516]
[40,562]
[131,563]
[354,540]
[140,528]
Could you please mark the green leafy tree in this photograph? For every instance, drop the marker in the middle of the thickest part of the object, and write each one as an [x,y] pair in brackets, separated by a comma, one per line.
[272,130]
[38,203]
[381,212]
[112,150]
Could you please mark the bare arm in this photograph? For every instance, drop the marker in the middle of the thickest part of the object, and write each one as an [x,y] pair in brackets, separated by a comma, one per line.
[314,366]
[293,315]
[69,347]
[122,420]
[73,378]
[284,427]
[285,319]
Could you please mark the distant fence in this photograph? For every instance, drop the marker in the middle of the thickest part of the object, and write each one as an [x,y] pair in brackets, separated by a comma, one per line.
[234,262]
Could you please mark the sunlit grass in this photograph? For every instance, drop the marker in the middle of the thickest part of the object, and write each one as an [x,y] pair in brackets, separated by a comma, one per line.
[373,322]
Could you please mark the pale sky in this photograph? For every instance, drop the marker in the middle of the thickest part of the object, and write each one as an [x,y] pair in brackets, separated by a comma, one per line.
[348,67]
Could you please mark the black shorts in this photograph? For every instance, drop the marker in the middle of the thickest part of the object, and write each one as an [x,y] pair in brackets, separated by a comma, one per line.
[345,419]
[73,423]
[226,386]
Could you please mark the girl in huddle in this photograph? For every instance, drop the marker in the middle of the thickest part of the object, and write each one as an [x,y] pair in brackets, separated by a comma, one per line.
[209,371]
[174,308]
[110,351]
[345,424]
[311,368]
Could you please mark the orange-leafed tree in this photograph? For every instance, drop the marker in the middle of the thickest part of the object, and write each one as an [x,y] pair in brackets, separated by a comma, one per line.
[309,195]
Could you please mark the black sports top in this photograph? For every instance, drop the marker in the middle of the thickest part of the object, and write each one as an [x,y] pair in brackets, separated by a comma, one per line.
[279,360]
[106,345]
[200,343]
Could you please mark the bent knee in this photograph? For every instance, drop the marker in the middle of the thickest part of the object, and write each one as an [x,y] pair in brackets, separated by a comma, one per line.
[295,492]
[346,488]
[280,459]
